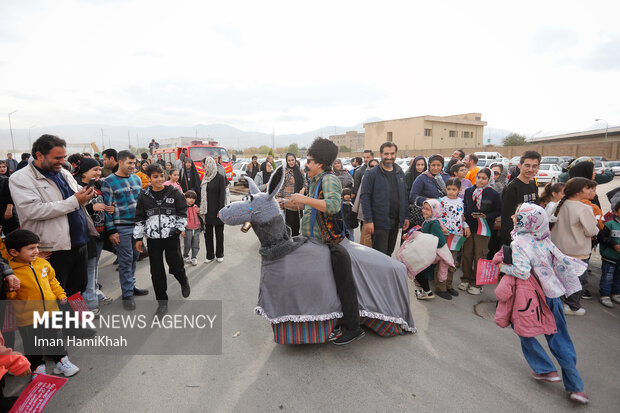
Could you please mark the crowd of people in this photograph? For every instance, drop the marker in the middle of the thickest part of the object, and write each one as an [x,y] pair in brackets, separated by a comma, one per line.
[59,213]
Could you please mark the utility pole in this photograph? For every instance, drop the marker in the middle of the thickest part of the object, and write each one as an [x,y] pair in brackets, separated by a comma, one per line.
[273,139]
[11,128]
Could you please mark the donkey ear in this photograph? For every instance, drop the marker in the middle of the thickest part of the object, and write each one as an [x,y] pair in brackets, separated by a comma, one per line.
[276,181]
[252,185]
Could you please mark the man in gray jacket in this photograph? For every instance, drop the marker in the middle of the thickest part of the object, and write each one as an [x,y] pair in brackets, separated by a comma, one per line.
[50,203]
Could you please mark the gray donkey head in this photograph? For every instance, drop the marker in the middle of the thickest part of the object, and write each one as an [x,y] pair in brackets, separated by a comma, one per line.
[257,207]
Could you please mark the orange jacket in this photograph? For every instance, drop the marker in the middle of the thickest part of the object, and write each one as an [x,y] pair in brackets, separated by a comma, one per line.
[38,284]
[471,175]
[144,178]
[598,214]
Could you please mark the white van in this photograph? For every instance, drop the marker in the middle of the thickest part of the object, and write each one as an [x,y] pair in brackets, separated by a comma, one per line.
[488,155]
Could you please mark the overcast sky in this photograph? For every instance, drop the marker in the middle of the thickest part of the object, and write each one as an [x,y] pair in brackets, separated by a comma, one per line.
[297,66]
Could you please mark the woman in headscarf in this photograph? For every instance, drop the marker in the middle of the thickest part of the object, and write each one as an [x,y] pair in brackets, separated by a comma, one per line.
[190,178]
[262,178]
[416,167]
[4,169]
[429,184]
[500,175]
[213,198]
[346,180]
[142,174]
[294,183]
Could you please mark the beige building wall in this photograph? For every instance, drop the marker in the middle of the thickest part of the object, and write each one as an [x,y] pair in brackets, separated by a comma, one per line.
[351,139]
[427,132]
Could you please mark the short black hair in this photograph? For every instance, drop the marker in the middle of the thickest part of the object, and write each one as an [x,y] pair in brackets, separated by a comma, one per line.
[473,157]
[254,157]
[454,182]
[153,168]
[122,155]
[369,151]
[191,194]
[454,169]
[74,158]
[461,154]
[388,145]
[529,155]
[46,143]
[96,155]
[110,153]
[324,152]
[25,156]
[144,155]
[359,160]
[347,191]
[18,239]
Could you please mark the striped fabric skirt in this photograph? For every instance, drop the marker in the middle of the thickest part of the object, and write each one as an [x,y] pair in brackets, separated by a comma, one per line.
[316,332]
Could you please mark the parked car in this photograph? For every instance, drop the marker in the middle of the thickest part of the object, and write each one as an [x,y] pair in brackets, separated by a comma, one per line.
[514,161]
[485,163]
[599,158]
[550,159]
[238,173]
[598,167]
[488,155]
[614,166]
[548,173]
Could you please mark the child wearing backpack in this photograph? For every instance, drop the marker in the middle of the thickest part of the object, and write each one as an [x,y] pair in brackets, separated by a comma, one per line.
[537,264]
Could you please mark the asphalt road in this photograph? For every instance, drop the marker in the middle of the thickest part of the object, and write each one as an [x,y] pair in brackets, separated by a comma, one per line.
[457,361]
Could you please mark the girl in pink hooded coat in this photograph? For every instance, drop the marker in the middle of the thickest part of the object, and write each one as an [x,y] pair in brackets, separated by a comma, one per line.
[558,274]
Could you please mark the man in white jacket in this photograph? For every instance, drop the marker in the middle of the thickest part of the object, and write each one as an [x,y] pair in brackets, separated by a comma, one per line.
[50,203]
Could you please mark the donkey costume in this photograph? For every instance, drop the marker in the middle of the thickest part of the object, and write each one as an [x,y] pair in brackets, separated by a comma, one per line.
[297,289]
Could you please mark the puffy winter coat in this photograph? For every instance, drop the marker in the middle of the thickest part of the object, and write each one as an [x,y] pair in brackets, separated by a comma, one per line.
[158,219]
[522,303]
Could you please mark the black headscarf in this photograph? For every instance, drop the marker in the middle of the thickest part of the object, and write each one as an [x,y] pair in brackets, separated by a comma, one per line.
[299,177]
[412,173]
[193,182]
[584,169]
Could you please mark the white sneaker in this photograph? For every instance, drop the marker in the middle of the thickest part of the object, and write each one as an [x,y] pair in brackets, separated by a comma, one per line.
[65,367]
[220,259]
[208,261]
[463,286]
[568,311]
[615,298]
[606,301]
[194,262]
[187,260]
[40,369]
[474,290]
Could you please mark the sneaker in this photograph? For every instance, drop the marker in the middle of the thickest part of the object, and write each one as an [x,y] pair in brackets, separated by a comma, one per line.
[424,295]
[194,262]
[443,294]
[586,295]
[349,336]
[335,334]
[606,301]
[551,377]
[453,292]
[221,259]
[65,367]
[580,397]
[96,312]
[463,286]
[187,260]
[208,261]
[105,300]
[615,298]
[474,290]
[568,311]
[40,369]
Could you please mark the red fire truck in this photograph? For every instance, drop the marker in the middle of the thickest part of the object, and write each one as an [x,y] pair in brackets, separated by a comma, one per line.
[197,151]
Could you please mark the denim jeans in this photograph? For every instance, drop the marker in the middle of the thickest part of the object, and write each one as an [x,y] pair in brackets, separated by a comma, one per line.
[561,346]
[610,279]
[91,293]
[127,258]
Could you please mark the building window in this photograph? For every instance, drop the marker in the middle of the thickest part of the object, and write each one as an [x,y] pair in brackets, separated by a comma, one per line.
[389,136]
[466,134]
[478,118]
[427,132]
[452,134]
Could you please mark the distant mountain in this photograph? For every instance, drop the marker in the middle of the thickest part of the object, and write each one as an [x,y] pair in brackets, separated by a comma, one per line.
[495,136]
[78,136]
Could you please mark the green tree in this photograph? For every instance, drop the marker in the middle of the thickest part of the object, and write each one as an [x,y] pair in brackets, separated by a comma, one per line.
[344,148]
[514,139]
[294,149]
[270,152]
[264,149]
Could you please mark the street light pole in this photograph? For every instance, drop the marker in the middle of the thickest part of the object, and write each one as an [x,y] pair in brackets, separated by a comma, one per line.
[11,128]
[606,127]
